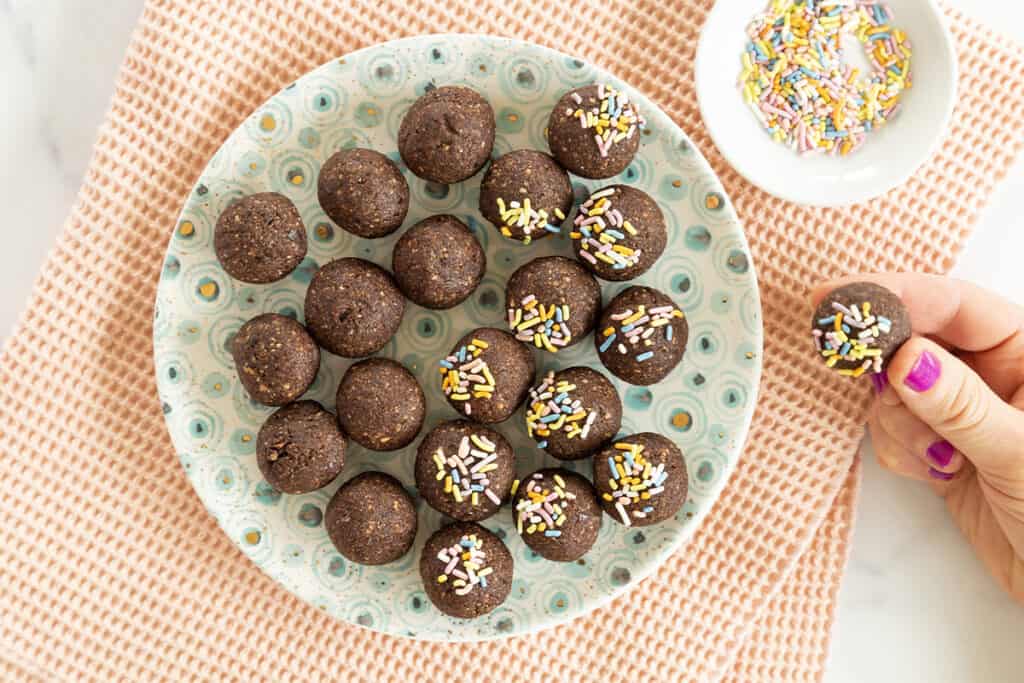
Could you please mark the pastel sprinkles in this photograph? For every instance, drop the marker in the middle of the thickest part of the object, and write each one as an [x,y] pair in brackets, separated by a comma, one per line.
[613,120]
[853,338]
[546,327]
[541,510]
[601,229]
[801,87]
[465,565]
[466,375]
[634,482]
[465,472]
[553,408]
[636,330]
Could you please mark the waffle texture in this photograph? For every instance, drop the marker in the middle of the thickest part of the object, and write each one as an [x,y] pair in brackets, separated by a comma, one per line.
[110,568]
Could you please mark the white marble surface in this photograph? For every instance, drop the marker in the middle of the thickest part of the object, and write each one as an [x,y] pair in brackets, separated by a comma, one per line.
[915,604]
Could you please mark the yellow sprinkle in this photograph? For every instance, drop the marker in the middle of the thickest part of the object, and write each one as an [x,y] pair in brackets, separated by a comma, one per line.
[442,578]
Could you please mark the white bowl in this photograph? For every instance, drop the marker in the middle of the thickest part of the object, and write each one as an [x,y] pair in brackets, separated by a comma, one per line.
[889,156]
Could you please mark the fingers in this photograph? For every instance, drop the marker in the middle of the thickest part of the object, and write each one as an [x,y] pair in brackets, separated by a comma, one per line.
[918,440]
[955,311]
[941,391]
[893,456]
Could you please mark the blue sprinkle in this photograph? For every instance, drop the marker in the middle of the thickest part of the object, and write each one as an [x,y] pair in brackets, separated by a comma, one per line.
[483,581]
[879,36]
[455,476]
[558,314]
[649,508]
[585,230]
[611,465]
[552,228]
[827,321]
[462,355]
[542,444]
[844,349]
[606,344]
[446,364]
[552,533]
[644,356]
[883,320]
[619,266]
[466,543]
[668,332]
[561,397]
[567,409]
[549,418]
[476,487]
[615,233]
[846,328]
[627,328]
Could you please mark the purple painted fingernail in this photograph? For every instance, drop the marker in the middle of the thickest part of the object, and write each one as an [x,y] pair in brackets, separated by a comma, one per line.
[944,476]
[941,453]
[880,380]
[924,374]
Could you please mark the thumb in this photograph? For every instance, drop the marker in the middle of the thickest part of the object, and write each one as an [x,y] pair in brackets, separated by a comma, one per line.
[951,398]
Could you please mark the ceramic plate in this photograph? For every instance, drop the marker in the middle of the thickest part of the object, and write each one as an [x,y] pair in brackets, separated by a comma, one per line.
[359,100]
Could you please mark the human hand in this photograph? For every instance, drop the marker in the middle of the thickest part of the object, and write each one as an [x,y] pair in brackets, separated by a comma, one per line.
[950,410]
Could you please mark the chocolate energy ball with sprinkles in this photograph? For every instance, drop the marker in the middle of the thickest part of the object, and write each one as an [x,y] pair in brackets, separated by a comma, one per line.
[641,479]
[858,327]
[573,412]
[364,192]
[466,570]
[353,307]
[526,195]
[552,302]
[371,519]
[487,375]
[300,448]
[557,514]
[447,134]
[594,131]
[275,358]
[619,232]
[438,262]
[465,470]
[380,404]
[641,336]
[260,238]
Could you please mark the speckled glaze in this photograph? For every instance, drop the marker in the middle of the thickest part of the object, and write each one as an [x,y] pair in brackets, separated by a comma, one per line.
[704,406]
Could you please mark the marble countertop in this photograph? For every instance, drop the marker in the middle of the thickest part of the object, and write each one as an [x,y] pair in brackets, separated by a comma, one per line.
[915,603]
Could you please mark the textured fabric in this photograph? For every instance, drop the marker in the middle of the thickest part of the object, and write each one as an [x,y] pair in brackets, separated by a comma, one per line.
[110,568]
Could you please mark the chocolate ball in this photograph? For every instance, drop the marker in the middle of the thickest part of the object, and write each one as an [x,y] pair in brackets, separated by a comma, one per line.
[606,113]
[260,238]
[380,404]
[438,262]
[557,514]
[552,302]
[465,470]
[624,345]
[625,235]
[858,327]
[447,134]
[364,192]
[652,484]
[275,358]
[526,195]
[371,519]
[573,412]
[353,307]
[300,448]
[466,570]
[487,375]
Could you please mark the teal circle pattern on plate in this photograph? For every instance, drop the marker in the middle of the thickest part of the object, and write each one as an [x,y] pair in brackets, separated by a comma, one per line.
[705,405]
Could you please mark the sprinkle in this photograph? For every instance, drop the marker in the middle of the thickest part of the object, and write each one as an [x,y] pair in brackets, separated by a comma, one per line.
[467,552]
[461,368]
[552,408]
[797,83]
[645,356]
[851,353]
[541,508]
[466,466]
[634,478]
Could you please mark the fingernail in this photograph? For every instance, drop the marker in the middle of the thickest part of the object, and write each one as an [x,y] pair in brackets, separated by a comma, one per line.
[944,476]
[880,380]
[924,374]
[941,453]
